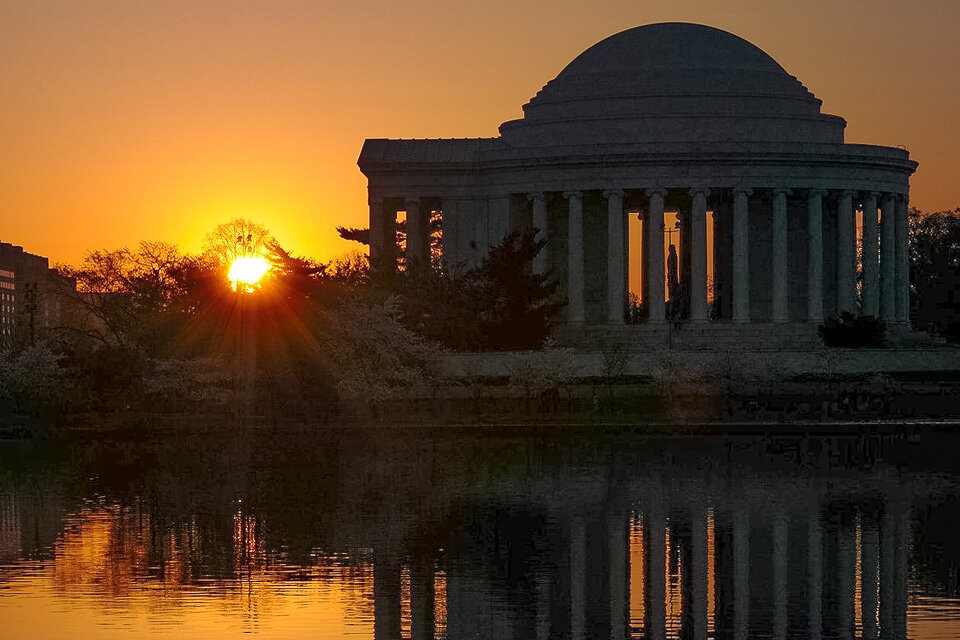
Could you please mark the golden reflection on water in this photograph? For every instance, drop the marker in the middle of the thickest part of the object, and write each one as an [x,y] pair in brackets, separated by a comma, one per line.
[165,566]
[711,574]
[674,584]
[105,582]
[858,578]
[637,573]
[440,603]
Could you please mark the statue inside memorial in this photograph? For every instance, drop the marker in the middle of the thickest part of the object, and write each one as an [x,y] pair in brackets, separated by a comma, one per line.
[673,284]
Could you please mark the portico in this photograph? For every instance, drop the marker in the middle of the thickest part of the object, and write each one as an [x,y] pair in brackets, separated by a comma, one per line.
[675,118]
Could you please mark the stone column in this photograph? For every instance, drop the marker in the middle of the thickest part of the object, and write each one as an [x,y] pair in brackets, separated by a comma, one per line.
[698,571]
[717,278]
[542,586]
[644,257]
[449,240]
[616,287]
[779,575]
[741,573]
[625,225]
[887,577]
[422,605]
[653,229]
[781,282]
[846,255]
[741,255]
[417,241]
[901,570]
[498,216]
[815,575]
[578,568]
[814,255]
[538,203]
[575,312]
[698,255]
[888,259]
[655,543]
[903,260]
[618,547]
[869,576]
[871,263]
[846,576]
[378,231]
[386,596]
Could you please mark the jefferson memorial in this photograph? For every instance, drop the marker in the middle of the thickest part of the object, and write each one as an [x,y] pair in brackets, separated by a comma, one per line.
[678,162]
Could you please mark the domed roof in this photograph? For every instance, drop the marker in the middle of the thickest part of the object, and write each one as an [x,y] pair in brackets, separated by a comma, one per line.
[671,46]
[672,82]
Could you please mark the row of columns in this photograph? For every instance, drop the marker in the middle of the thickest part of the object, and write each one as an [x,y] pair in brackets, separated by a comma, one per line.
[387,568]
[885,257]
[885,287]
[811,577]
[883,548]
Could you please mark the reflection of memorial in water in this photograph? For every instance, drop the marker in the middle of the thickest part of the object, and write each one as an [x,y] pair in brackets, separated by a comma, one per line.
[674,553]
[496,536]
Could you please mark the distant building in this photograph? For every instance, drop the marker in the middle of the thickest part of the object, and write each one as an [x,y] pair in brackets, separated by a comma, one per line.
[31,295]
[668,122]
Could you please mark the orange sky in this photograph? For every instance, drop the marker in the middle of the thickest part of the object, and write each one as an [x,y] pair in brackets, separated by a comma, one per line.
[123,120]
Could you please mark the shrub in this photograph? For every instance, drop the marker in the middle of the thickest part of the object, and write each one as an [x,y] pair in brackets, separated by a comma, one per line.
[852,331]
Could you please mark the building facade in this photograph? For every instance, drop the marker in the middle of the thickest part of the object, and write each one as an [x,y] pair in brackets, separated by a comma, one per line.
[675,122]
[31,295]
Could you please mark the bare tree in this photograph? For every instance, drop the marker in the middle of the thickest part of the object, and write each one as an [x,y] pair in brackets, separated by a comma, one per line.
[238,238]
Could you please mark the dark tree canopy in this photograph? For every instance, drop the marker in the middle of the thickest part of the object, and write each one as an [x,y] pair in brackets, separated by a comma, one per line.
[500,304]
[354,234]
[935,271]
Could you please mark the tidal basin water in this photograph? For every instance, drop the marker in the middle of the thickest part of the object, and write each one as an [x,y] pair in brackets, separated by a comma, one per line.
[524,533]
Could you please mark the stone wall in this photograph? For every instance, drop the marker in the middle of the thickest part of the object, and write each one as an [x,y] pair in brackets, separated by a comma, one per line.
[693,365]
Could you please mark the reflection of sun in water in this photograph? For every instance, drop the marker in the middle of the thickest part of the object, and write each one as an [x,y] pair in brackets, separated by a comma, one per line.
[246,272]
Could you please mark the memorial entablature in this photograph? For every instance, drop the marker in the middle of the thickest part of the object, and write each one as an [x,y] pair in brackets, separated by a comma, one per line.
[667,122]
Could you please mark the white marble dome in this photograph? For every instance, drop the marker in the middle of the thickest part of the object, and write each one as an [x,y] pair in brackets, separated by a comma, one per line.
[672,83]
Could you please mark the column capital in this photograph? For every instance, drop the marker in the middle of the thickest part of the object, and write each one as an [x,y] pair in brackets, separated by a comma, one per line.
[888,196]
[573,194]
[846,193]
[695,191]
[613,193]
[871,194]
[742,191]
[656,191]
[785,191]
[411,201]
[535,195]
[816,192]
[903,198]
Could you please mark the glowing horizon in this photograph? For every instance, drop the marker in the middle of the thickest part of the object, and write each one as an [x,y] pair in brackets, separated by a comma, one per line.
[155,121]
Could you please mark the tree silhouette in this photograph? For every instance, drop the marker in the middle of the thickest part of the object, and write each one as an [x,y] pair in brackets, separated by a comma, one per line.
[935,271]
[240,237]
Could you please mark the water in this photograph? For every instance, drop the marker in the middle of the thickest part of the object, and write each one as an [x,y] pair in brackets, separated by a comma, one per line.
[419,533]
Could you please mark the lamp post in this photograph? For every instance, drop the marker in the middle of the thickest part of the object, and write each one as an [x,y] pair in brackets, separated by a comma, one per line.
[244,245]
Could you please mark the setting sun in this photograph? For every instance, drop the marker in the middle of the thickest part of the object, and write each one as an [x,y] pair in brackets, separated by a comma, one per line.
[248,271]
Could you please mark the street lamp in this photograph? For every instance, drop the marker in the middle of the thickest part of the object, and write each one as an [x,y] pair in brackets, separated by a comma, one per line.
[244,245]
